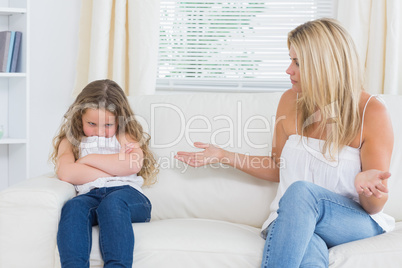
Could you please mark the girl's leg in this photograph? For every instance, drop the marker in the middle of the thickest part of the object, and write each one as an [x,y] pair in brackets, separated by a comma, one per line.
[305,211]
[120,207]
[74,236]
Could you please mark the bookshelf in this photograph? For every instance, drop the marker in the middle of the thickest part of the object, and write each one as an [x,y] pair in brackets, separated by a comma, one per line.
[14,98]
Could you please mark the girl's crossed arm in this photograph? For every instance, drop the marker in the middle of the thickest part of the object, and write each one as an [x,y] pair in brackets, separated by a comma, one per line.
[127,162]
[69,170]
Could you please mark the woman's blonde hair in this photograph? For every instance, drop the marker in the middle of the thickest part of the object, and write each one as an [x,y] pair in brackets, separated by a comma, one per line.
[105,94]
[331,81]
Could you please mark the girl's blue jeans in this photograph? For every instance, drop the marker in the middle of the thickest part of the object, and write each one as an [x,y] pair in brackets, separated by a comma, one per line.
[310,220]
[114,209]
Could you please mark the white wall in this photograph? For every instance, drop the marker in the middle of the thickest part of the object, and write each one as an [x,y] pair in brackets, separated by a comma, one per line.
[54,47]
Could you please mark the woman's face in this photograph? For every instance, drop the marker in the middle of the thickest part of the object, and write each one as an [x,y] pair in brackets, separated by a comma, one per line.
[293,71]
[99,122]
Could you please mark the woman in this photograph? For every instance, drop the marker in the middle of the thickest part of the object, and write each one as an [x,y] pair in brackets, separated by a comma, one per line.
[335,143]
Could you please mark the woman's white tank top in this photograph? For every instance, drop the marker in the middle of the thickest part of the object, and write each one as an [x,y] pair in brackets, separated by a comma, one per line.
[302,159]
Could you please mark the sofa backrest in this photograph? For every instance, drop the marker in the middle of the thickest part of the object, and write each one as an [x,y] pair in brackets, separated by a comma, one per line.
[238,122]
[394,205]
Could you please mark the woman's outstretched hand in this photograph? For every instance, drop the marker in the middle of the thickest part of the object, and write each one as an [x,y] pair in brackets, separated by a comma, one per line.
[370,182]
[210,155]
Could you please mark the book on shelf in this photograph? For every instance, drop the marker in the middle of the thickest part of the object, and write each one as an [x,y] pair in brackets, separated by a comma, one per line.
[10,42]
[16,51]
[10,51]
[4,47]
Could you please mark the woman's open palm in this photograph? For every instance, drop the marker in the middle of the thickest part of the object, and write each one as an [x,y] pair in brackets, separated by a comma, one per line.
[210,155]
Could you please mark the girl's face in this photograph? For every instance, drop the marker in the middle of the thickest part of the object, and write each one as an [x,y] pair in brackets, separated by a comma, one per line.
[99,122]
[293,71]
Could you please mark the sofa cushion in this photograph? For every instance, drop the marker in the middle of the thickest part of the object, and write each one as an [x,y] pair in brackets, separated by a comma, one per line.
[191,243]
[238,122]
[208,243]
[379,251]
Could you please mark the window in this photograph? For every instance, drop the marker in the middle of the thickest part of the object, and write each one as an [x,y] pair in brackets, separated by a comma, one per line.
[230,45]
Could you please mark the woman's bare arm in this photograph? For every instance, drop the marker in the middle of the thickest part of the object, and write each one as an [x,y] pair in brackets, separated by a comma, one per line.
[376,151]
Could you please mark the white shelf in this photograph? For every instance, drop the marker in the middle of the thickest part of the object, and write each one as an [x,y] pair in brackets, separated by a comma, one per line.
[8,11]
[14,98]
[12,141]
[7,75]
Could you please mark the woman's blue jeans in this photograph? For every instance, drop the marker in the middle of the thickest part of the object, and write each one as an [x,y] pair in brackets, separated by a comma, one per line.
[310,220]
[113,209]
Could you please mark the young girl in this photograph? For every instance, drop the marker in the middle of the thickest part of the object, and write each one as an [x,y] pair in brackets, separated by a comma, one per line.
[103,151]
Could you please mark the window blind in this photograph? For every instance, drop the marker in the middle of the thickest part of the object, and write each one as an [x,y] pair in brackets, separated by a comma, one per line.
[230,45]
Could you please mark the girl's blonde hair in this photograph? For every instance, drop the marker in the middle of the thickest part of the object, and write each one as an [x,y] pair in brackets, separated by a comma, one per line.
[105,94]
[331,81]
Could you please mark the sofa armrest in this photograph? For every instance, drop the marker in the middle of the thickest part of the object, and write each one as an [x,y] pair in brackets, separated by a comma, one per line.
[29,216]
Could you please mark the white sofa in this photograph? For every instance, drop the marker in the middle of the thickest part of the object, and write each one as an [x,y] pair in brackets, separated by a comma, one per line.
[205,217]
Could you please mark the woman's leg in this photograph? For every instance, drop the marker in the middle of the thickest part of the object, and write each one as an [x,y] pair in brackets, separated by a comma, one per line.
[316,255]
[305,211]
[74,236]
[120,207]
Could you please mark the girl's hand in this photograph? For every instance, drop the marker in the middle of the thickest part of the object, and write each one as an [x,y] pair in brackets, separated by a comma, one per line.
[129,147]
[126,149]
[370,182]
[211,154]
